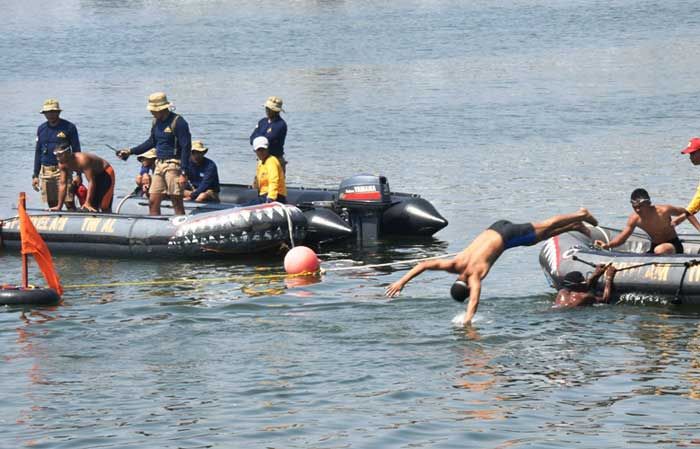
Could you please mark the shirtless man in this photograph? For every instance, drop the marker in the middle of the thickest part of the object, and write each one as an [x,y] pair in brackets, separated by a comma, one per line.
[99,174]
[579,291]
[655,220]
[474,262]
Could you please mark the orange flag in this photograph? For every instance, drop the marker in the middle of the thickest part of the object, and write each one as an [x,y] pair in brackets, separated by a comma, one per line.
[32,243]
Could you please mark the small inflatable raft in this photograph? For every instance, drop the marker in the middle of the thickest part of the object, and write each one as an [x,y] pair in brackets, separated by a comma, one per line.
[30,296]
[641,277]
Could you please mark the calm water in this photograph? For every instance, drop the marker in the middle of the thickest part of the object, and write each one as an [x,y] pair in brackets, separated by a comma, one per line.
[490,109]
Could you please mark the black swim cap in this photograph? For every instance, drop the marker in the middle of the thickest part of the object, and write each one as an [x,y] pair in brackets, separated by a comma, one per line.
[573,279]
[459,291]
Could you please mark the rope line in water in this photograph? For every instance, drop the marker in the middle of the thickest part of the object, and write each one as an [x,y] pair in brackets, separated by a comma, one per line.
[247,278]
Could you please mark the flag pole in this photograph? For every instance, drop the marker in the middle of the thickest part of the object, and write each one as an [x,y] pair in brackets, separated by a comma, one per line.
[25,271]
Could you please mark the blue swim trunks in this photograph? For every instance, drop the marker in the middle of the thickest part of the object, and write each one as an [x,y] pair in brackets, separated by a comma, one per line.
[515,234]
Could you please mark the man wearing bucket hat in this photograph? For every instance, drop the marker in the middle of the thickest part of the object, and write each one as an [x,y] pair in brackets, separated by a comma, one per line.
[143,179]
[274,128]
[269,175]
[203,175]
[693,150]
[46,175]
[170,136]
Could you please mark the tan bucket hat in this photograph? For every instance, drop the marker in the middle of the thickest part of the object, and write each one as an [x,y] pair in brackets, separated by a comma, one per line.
[198,145]
[150,154]
[274,103]
[50,105]
[157,101]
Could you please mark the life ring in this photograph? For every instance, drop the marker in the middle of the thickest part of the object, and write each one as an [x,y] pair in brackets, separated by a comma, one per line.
[16,296]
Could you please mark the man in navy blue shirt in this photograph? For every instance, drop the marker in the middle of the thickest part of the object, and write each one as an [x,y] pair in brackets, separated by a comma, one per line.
[274,128]
[46,175]
[203,176]
[170,136]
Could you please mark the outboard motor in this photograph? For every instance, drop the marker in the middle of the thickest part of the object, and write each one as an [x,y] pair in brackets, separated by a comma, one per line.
[365,197]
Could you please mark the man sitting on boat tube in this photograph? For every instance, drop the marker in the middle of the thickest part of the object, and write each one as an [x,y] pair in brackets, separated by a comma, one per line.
[655,220]
[269,174]
[203,175]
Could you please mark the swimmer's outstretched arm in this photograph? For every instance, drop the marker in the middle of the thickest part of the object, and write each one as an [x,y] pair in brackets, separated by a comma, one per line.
[474,282]
[444,265]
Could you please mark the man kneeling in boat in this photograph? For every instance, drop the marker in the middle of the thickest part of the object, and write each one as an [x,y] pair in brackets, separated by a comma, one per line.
[578,291]
[203,175]
[655,220]
[99,174]
[474,262]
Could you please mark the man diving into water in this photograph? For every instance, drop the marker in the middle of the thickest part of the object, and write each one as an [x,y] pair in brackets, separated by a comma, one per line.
[474,262]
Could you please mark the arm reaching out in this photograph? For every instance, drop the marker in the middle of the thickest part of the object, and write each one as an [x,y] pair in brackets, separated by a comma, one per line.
[395,288]
[622,236]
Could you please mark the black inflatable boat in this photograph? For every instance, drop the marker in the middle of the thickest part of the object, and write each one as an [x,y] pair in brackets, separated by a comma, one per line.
[11,295]
[641,277]
[233,231]
[363,208]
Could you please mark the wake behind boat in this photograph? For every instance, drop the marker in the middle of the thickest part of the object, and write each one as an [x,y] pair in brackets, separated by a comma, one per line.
[640,276]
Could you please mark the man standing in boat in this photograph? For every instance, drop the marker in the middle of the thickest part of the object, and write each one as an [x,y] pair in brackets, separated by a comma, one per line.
[46,175]
[170,136]
[655,220]
[203,175]
[273,128]
[99,175]
[474,262]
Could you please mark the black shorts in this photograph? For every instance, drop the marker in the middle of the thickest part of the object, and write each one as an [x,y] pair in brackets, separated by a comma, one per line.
[676,242]
[513,235]
[103,190]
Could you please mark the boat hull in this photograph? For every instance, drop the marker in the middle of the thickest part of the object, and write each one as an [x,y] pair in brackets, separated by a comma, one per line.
[642,277]
[234,231]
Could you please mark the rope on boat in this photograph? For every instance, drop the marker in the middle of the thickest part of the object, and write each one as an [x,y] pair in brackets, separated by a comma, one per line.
[687,264]
[289,225]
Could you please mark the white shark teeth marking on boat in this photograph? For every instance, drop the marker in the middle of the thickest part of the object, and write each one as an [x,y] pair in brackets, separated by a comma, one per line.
[245,214]
[550,252]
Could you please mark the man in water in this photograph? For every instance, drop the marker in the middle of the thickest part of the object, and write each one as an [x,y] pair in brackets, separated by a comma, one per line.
[99,174]
[578,291]
[655,220]
[474,262]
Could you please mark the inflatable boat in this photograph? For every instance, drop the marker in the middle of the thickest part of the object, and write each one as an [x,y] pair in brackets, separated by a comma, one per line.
[233,231]
[363,208]
[11,295]
[641,277]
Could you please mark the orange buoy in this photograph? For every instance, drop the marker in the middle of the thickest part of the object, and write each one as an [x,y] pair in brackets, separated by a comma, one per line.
[301,259]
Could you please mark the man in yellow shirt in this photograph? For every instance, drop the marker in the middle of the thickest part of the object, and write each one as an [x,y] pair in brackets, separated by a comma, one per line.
[694,206]
[269,174]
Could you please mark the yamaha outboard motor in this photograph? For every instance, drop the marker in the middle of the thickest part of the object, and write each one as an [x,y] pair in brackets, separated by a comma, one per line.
[365,197]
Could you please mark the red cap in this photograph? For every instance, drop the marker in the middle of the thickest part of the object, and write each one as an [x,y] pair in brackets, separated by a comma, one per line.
[693,146]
